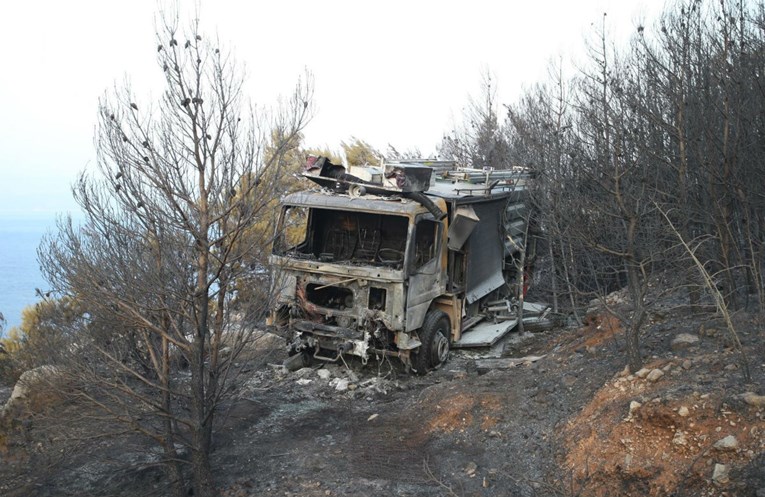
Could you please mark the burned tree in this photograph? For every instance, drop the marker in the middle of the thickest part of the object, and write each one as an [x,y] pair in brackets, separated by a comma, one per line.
[672,122]
[156,260]
[479,141]
[595,183]
[540,135]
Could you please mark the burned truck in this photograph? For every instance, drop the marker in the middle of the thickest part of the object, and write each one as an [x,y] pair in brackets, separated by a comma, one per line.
[404,260]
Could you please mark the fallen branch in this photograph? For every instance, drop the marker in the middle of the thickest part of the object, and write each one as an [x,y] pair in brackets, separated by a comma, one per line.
[722,307]
[484,365]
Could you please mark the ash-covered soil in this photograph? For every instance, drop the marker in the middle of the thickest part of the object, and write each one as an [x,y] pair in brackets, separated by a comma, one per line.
[566,424]
[571,423]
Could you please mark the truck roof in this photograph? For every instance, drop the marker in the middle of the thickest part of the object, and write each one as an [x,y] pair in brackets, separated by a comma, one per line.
[465,192]
[340,201]
[389,187]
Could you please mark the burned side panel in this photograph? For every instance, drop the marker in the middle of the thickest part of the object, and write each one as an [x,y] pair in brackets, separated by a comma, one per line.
[485,251]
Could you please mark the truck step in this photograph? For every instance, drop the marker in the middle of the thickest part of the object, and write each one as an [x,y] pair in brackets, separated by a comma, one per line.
[485,334]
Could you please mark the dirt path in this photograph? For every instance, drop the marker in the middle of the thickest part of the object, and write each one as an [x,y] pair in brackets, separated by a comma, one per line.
[559,426]
[452,431]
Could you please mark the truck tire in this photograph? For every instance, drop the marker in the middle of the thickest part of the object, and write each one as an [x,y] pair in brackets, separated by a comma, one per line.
[435,336]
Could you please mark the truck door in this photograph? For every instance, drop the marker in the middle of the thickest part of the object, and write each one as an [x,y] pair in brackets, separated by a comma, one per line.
[426,272]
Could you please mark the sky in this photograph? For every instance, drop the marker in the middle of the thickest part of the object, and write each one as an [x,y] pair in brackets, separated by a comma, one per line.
[387,72]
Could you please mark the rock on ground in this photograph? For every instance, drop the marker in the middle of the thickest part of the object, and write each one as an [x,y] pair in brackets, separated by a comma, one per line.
[753,399]
[654,375]
[720,474]
[643,373]
[683,341]
[26,383]
[324,374]
[727,443]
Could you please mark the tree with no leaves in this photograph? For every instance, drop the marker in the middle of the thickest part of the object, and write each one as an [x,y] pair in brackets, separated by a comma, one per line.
[156,259]
[479,141]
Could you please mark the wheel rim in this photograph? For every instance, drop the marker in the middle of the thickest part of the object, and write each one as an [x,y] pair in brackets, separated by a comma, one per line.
[440,348]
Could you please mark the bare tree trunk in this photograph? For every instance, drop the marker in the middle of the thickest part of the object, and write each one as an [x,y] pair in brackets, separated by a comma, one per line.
[200,460]
[202,419]
[171,454]
[635,325]
[570,289]
[553,276]
[521,276]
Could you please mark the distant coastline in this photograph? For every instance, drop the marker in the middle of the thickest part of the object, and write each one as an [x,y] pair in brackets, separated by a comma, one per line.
[19,270]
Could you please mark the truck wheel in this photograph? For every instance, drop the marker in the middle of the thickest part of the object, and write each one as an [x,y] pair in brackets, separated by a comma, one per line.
[434,335]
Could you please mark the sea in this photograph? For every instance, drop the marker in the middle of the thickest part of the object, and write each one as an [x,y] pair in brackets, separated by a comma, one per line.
[19,271]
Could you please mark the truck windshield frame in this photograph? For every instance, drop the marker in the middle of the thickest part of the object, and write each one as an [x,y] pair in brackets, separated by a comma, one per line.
[425,246]
[342,236]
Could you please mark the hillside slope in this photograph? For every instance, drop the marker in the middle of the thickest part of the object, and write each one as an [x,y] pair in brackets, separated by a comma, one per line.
[571,423]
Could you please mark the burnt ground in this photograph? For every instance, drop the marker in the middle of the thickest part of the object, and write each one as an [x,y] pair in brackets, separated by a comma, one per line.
[571,423]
